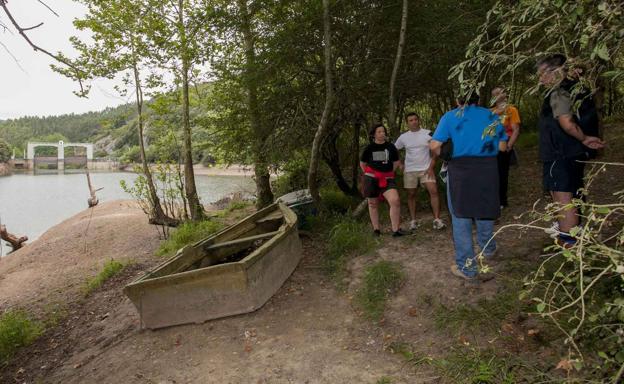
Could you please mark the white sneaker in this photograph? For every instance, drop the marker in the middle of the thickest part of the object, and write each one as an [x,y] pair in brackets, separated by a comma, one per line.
[413,225]
[438,224]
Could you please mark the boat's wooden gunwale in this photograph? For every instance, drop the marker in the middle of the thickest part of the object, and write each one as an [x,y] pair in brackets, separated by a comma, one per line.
[146,281]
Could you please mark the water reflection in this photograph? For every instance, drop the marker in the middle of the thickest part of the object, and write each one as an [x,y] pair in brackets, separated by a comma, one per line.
[30,204]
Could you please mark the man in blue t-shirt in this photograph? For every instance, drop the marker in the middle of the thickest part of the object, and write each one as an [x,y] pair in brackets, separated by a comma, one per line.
[477,136]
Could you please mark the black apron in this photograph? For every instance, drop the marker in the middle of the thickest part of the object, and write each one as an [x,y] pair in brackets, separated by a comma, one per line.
[473,183]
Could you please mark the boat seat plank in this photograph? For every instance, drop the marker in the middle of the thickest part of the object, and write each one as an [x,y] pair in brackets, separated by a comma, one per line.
[241,241]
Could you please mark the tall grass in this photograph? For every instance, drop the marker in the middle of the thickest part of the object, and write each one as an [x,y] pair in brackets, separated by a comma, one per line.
[346,239]
[110,269]
[188,233]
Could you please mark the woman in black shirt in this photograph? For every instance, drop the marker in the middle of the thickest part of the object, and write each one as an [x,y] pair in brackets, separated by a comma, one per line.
[379,160]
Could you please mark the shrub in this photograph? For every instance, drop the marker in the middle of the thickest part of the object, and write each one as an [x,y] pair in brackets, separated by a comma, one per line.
[335,201]
[16,330]
[187,233]
[110,269]
[5,151]
[380,280]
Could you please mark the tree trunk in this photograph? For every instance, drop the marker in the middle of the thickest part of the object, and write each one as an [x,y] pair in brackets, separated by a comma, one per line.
[394,127]
[157,216]
[261,169]
[332,159]
[355,150]
[195,207]
[329,96]
[16,242]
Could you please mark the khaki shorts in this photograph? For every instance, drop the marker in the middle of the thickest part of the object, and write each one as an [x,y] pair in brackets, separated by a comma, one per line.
[412,179]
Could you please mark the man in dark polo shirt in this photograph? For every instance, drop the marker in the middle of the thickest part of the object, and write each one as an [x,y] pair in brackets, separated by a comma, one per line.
[566,138]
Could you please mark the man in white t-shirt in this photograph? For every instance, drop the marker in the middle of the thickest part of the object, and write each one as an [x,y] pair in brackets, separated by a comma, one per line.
[418,168]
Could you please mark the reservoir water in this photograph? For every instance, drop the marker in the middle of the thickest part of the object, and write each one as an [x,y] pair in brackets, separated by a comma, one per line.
[31,204]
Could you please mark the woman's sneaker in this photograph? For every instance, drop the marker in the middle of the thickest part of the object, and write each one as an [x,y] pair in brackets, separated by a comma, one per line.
[438,224]
[413,225]
[398,233]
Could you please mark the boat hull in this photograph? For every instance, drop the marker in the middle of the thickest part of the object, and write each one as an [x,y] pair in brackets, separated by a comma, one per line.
[194,296]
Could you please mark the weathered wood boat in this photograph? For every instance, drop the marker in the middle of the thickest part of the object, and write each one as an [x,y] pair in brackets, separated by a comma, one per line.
[234,271]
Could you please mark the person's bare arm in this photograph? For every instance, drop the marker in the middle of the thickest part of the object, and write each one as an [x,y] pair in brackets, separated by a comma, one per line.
[363,166]
[396,165]
[502,146]
[570,127]
[435,147]
[514,136]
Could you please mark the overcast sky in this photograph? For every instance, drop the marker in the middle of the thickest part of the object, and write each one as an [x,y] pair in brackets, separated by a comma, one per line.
[34,89]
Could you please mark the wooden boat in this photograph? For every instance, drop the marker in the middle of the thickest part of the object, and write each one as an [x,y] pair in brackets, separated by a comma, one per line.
[232,272]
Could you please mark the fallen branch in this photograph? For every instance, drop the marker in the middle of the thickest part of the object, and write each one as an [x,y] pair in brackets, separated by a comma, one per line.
[22,31]
[16,242]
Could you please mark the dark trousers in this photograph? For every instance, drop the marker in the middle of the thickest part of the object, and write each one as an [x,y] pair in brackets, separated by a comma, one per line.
[504,159]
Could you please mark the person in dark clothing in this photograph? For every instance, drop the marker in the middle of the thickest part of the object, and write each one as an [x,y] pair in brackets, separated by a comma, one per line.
[379,160]
[565,140]
[510,118]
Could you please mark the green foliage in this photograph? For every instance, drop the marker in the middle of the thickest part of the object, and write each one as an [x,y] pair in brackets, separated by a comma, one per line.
[5,151]
[188,233]
[16,330]
[110,269]
[86,127]
[384,380]
[512,38]
[294,175]
[169,187]
[580,290]
[346,238]
[238,205]
[380,280]
[335,201]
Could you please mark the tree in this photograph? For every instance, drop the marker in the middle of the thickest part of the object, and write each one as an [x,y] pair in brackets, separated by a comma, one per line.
[259,132]
[329,99]
[394,128]
[181,32]
[120,45]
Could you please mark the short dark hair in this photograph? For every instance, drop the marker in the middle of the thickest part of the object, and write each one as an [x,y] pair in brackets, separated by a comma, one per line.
[411,114]
[469,98]
[552,61]
[373,129]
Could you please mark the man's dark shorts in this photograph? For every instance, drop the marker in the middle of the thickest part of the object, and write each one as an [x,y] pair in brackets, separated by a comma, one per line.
[371,189]
[565,175]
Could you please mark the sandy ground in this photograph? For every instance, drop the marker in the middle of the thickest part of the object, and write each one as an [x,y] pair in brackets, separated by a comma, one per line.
[309,332]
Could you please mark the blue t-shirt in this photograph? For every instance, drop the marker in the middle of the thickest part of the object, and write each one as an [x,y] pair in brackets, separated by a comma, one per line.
[466,127]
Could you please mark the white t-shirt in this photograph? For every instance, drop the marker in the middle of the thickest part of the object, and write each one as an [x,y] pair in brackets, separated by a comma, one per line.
[416,144]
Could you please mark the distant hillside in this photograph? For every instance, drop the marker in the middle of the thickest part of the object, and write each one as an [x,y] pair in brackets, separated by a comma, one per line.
[112,127]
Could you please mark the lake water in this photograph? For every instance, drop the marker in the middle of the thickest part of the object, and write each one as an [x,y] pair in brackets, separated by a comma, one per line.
[31,204]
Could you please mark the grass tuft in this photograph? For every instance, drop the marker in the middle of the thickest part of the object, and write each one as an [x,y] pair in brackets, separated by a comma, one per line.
[485,314]
[110,269]
[380,280]
[16,330]
[187,233]
[347,238]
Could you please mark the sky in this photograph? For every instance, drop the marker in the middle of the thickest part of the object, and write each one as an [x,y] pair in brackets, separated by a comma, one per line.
[34,89]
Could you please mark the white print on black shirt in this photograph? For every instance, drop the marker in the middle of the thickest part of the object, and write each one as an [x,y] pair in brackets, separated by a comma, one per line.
[382,156]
